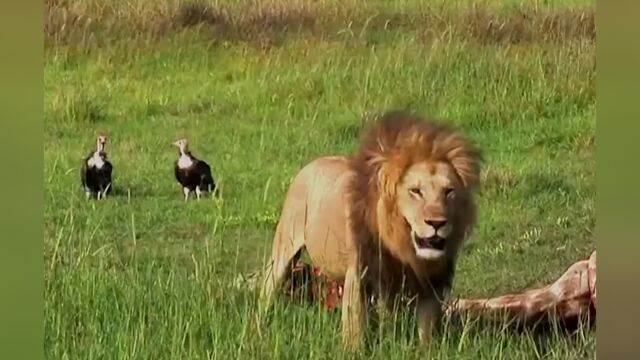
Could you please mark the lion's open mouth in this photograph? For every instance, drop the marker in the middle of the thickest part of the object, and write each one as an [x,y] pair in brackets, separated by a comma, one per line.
[433,242]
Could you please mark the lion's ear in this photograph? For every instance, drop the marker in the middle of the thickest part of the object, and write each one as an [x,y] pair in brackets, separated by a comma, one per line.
[389,174]
[468,169]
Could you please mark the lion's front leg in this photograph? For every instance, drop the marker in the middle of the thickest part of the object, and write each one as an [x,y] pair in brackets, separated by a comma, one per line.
[352,309]
[429,315]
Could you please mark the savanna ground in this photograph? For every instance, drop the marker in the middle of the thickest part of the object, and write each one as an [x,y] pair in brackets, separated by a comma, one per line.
[260,88]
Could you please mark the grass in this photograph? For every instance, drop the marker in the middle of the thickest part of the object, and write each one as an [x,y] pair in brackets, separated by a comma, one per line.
[261,90]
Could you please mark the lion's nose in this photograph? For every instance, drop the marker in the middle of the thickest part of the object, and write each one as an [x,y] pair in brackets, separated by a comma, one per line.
[436,224]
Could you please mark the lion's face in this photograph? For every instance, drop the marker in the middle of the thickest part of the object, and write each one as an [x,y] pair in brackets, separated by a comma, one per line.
[426,198]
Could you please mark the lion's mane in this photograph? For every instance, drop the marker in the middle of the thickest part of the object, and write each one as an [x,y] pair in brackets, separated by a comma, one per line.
[395,142]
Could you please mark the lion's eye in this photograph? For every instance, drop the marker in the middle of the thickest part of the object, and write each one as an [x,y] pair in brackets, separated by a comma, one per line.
[415,192]
[448,192]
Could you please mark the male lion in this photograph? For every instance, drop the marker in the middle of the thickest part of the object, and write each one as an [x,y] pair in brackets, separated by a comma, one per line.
[388,221]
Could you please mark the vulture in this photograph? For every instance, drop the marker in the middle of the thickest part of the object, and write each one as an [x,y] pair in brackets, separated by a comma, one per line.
[193,174]
[96,171]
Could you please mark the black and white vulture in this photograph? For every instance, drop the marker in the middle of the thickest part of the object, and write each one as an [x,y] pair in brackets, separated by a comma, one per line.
[96,171]
[192,173]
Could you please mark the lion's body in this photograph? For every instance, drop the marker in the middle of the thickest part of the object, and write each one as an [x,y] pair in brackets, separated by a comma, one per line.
[387,221]
[314,215]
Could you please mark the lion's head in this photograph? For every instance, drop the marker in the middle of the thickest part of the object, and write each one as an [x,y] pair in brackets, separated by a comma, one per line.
[426,200]
[414,186]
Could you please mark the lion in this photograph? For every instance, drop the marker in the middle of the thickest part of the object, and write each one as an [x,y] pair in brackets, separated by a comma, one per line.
[388,221]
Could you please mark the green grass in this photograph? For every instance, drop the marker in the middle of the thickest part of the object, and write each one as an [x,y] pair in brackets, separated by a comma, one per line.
[145,276]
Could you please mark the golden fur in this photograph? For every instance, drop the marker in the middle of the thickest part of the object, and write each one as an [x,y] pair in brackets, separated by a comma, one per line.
[387,221]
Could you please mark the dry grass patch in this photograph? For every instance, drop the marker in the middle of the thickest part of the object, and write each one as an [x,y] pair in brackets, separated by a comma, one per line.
[82,22]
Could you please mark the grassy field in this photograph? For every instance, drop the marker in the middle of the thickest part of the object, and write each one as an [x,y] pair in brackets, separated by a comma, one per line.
[261,89]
